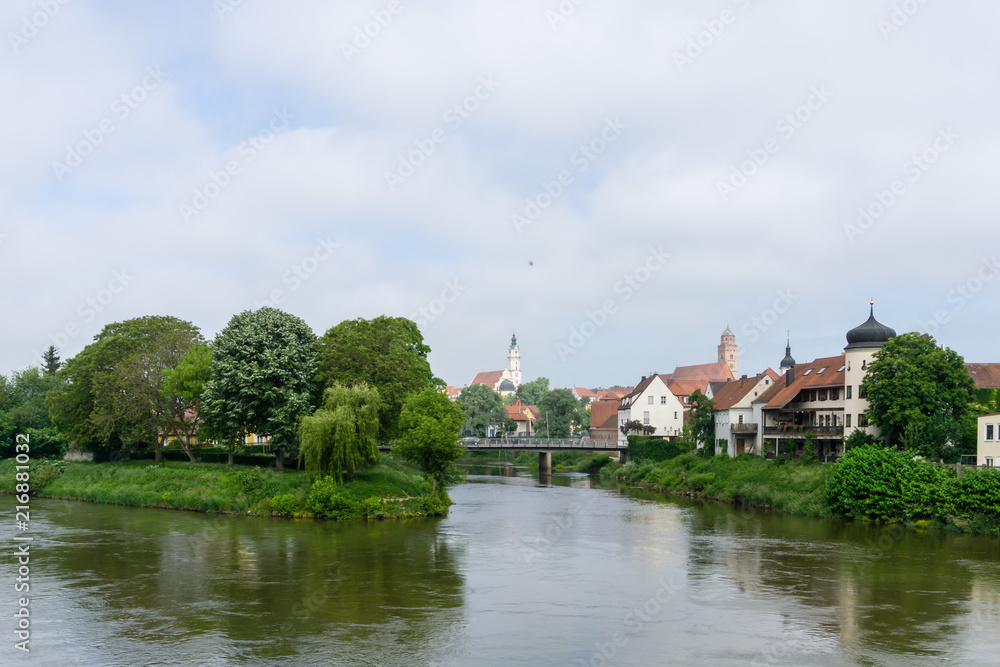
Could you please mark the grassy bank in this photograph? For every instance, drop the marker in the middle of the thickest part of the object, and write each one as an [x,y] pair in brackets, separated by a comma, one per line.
[750,481]
[868,483]
[387,490]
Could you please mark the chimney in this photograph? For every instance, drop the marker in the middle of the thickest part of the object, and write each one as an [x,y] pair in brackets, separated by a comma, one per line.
[743,380]
[790,376]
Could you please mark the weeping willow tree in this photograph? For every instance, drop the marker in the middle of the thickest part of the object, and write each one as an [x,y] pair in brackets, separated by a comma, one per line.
[341,435]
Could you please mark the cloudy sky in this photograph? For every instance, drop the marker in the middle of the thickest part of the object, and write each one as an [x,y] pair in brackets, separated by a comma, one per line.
[617,181]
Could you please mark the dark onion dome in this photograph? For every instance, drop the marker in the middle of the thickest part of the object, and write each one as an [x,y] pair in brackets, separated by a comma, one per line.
[870,334]
[507,385]
[788,361]
[513,340]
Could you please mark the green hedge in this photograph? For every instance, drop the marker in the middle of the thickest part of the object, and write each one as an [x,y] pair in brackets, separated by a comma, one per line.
[645,448]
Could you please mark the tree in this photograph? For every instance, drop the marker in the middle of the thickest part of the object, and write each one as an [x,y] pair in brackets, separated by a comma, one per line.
[263,379]
[387,353]
[702,419]
[913,383]
[636,426]
[183,387]
[23,411]
[51,359]
[531,393]
[108,396]
[558,412]
[482,408]
[342,435]
[430,423]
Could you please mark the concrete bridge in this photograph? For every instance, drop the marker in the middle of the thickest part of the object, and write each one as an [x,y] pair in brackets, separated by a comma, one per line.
[545,447]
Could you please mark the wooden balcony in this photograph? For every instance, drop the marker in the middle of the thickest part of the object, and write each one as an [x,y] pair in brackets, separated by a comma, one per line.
[801,431]
[749,427]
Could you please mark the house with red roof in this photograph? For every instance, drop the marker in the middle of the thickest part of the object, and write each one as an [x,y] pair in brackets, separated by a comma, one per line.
[734,412]
[653,404]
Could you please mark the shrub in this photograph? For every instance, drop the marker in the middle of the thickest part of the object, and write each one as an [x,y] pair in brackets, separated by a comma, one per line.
[592,466]
[286,504]
[326,501]
[373,508]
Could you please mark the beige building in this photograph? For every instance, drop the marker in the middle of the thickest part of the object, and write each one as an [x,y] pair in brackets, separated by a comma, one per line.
[988,441]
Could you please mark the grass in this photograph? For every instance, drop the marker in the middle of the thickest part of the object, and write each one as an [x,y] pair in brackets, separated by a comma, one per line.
[787,486]
[390,488]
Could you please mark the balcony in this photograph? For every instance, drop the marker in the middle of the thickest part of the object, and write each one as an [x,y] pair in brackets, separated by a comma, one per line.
[743,428]
[794,431]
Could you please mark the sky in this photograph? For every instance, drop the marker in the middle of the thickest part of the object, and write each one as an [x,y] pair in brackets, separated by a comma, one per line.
[616,182]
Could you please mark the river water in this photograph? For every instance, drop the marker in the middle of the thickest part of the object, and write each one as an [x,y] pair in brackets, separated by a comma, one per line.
[519,573]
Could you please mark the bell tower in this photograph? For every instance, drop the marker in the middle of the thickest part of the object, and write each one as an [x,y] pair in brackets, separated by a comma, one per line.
[728,351]
[514,361]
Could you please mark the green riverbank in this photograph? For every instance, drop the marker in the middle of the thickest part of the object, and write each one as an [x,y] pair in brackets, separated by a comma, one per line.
[387,490]
[868,483]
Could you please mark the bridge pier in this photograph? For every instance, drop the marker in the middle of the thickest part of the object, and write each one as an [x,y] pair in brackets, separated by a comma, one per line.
[544,463]
[623,456]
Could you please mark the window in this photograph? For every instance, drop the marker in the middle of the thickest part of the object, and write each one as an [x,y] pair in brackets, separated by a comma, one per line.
[834,394]
[645,417]
[812,395]
[685,399]
[663,400]
[741,419]
[808,371]
[862,392]
[847,421]
[848,391]
[988,462]
[862,421]
[649,399]
[820,371]
[822,394]
[989,431]
[675,414]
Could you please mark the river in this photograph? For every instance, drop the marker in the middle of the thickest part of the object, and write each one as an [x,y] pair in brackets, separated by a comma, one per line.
[519,573]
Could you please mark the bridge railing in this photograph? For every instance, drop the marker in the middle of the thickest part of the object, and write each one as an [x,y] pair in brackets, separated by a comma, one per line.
[541,443]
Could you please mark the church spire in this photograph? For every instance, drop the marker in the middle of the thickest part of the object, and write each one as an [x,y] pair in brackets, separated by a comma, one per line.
[513,339]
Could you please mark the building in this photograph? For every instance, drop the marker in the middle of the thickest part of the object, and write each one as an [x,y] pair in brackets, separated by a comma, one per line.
[734,419]
[653,404]
[524,416]
[988,441]
[507,381]
[862,343]
[728,351]
[604,422]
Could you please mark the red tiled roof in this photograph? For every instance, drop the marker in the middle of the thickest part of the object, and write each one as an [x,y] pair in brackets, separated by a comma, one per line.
[807,376]
[583,392]
[703,372]
[986,376]
[686,387]
[737,390]
[604,414]
[490,378]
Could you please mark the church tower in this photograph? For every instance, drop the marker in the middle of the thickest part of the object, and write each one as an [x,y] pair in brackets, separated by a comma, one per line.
[862,343]
[728,352]
[514,361]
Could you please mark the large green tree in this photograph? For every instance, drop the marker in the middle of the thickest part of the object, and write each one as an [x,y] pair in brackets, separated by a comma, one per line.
[387,353]
[532,392]
[263,379]
[108,397]
[558,413]
[483,408]
[182,388]
[702,420]
[342,435]
[23,411]
[430,423]
[921,395]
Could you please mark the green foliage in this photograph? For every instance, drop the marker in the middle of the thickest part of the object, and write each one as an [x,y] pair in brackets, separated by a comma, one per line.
[23,411]
[809,450]
[531,393]
[921,395]
[643,448]
[253,483]
[108,397]
[593,465]
[342,435]
[702,419]
[430,425]
[286,504]
[562,410]
[387,353]
[973,498]
[884,484]
[51,359]
[263,370]
[858,438]
[483,408]
[327,501]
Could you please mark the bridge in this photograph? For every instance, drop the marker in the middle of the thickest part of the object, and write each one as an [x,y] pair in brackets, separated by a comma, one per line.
[545,447]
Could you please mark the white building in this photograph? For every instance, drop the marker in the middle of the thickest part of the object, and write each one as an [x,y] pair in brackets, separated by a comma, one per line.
[734,414]
[653,404]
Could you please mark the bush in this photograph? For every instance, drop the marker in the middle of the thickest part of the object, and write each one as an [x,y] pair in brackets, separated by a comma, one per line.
[884,484]
[286,504]
[975,493]
[645,448]
[592,466]
[327,502]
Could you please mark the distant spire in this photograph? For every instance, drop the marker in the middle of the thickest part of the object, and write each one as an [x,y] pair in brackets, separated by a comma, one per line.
[513,339]
[788,361]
